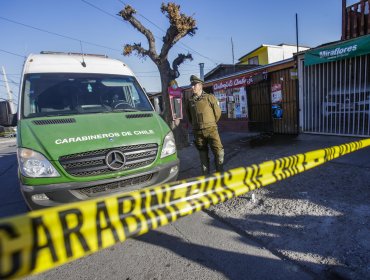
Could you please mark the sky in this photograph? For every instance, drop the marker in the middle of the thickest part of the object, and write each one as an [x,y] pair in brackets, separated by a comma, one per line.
[92,26]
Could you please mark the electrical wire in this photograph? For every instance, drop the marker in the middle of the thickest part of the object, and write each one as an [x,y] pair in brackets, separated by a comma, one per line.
[1,50]
[103,11]
[187,48]
[12,82]
[57,34]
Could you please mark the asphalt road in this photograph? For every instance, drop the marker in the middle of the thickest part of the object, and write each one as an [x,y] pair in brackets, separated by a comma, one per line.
[195,247]
[310,226]
[12,202]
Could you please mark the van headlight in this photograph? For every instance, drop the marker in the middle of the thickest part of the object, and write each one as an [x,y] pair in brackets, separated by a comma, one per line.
[34,164]
[169,146]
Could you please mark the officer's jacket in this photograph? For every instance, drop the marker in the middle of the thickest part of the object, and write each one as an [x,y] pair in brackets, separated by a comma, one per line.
[203,111]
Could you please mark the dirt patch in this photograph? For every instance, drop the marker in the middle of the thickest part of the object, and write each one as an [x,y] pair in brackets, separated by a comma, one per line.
[319,219]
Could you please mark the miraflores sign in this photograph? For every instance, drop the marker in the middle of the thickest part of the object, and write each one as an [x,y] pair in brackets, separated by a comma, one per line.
[239,82]
[342,50]
[330,54]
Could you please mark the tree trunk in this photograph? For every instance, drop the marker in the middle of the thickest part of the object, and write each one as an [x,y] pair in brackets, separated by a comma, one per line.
[180,134]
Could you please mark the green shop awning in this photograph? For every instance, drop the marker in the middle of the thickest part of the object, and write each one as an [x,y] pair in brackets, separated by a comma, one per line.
[342,50]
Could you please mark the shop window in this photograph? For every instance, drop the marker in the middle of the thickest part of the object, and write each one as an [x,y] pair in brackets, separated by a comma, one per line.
[233,102]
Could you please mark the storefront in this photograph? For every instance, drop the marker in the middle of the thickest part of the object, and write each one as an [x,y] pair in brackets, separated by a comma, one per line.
[233,99]
[335,88]
[263,99]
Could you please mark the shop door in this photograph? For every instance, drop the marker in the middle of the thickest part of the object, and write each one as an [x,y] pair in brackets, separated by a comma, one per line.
[259,107]
[336,97]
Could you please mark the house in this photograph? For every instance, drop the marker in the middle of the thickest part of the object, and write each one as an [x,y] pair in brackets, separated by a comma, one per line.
[267,54]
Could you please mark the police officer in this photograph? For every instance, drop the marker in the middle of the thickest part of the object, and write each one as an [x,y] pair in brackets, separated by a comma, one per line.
[203,113]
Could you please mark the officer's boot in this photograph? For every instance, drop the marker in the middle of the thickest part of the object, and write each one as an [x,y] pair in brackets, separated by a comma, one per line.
[219,161]
[204,162]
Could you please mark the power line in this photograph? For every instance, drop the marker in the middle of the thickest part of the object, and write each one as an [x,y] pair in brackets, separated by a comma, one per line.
[103,11]
[12,53]
[182,70]
[10,81]
[186,47]
[160,28]
[57,34]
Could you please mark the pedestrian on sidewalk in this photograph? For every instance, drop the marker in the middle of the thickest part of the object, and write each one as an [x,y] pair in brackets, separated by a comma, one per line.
[203,112]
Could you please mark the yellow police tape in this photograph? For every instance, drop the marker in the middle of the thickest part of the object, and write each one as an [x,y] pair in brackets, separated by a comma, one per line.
[44,239]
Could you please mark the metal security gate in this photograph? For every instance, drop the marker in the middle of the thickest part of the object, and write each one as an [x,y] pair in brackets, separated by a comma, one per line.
[336,97]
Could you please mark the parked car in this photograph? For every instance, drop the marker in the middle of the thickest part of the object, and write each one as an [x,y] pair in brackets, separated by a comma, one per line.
[354,100]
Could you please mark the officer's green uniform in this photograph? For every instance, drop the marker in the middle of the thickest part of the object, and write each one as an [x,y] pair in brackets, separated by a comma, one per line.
[203,113]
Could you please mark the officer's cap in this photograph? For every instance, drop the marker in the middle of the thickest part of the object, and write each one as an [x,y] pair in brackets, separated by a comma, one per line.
[194,80]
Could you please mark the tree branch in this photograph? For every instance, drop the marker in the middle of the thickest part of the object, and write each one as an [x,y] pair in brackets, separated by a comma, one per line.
[128,14]
[180,26]
[179,60]
[128,49]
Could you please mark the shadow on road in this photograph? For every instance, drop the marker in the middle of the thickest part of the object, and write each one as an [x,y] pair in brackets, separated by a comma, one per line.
[318,218]
[232,265]
[12,202]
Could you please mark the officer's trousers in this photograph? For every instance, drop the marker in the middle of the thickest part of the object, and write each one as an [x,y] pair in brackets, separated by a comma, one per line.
[209,137]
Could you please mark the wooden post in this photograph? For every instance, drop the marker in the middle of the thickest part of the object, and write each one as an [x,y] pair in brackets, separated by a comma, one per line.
[344,3]
[355,17]
[368,18]
[362,18]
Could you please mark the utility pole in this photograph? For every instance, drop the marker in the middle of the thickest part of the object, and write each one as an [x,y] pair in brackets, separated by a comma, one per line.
[232,52]
[232,49]
[296,69]
[10,99]
[296,31]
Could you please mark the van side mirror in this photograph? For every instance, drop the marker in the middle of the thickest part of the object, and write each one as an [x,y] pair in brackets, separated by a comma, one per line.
[6,117]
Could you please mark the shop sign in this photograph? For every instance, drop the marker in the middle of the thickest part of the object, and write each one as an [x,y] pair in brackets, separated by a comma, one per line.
[239,82]
[347,49]
[174,89]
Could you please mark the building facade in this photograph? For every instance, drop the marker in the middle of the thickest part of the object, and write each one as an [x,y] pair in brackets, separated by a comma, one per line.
[267,54]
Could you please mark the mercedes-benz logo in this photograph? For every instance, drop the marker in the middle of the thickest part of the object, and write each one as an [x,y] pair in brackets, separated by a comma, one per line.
[115,160]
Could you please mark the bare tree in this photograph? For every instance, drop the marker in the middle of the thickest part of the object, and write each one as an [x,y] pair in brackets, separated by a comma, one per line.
[180,26]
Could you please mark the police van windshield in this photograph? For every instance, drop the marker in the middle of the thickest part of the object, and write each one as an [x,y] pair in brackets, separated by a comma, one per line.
[55,94]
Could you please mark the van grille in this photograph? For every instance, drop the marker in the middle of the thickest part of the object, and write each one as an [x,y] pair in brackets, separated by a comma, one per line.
[54,121]
[115,186]
[94,163]
[145,115]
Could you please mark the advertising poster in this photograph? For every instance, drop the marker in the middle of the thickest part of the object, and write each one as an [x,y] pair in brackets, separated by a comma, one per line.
[237,109]
[231,110]
[221,97]
[276,101]
[232,95]
[242,102]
